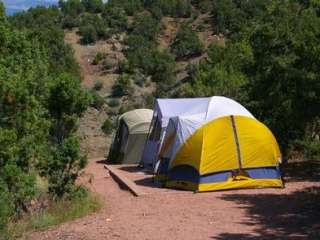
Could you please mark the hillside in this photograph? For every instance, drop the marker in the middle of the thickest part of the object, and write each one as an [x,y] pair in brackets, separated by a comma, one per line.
[93,141]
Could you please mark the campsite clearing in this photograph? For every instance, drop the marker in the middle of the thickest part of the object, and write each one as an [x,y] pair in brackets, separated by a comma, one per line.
[289,213]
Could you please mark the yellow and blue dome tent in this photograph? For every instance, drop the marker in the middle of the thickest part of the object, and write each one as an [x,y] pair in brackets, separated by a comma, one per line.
[222,147]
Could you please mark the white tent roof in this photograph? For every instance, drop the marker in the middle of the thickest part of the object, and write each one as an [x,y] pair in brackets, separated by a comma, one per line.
[205,108]
[186,124]
[138,120]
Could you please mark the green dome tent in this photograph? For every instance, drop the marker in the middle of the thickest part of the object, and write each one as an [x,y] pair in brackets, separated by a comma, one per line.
[131,135]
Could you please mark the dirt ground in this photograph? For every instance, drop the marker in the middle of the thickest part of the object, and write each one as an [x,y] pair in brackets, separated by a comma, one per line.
[290,213]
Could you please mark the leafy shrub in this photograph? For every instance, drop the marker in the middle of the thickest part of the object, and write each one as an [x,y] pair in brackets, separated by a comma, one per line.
[146,26]
[97,59]
[174,8]
[97,101]
[108,65]
[124,67]
[205,6]
[6,207]
[93,6]
[131,7]
[98,85]
[123,86]
[149,100]
[107,126]
[64,166]
[139,78]
[186,43]
[125,108]
[115,18]
[71,8]
[69,22]
[88,34]
[113,103]
[98,23]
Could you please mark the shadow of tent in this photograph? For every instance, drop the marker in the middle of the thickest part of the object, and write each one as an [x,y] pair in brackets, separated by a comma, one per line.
[302,171]
[148,182]
[289,216]
[133,169]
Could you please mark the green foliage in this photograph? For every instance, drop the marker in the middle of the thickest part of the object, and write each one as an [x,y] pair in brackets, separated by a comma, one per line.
[37,73]
[71,8]
[115,18]
[270,63]
[98,85]
[123,86]
[131,7]
[44,24]
[97,59]
[64,166]
[285,72]
[174,8]
[6,207]
[92,6]
[88,34]
[146,26]
[92,28]
[96,100]
[186,43]
[80,204]
[66,102]
[107,126]
[114,103]
[234,18]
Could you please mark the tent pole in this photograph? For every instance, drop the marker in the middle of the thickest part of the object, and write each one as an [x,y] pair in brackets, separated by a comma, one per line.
[236,139]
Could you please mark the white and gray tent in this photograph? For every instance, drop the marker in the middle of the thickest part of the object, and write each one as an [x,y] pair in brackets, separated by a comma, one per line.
[130,138]
[167,109]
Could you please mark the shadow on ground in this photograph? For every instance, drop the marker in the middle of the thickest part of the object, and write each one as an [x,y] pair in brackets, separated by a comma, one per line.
[302,171]
[282,216]
[288,216]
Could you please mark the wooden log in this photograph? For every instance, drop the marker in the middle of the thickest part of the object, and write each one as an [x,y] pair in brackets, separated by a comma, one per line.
[123,180]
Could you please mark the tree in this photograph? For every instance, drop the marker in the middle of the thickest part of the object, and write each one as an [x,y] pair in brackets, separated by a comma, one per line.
[93,6]
[186,43]
[223,73]
[88,34]
[115,18]
[71,8]
[131,7]
[146,26]
[285,75]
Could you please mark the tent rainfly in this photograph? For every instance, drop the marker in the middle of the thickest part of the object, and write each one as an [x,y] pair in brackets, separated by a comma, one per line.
[131,135]
[207,144]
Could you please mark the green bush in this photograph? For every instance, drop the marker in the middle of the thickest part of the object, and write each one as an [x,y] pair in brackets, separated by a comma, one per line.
[113,103]
[6,207]
[123,86]
[174,8]
[125,108]
[186,43]
[131,7]
[98,85]
[64,166]
[146,26]
[115,18]
[98,58]
[107,126]
[88,34]
[93,6]
[97,101]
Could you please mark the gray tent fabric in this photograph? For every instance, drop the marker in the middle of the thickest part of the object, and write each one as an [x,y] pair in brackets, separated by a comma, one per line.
[131,135]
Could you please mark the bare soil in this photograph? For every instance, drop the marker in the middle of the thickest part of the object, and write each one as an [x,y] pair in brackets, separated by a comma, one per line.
[289,213]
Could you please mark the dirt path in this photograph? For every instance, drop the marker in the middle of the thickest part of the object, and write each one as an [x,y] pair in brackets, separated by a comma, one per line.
[290,213]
